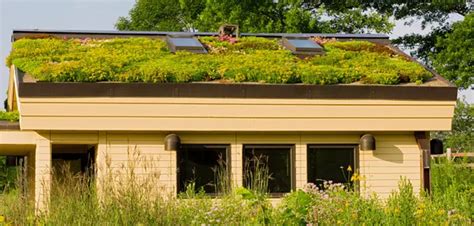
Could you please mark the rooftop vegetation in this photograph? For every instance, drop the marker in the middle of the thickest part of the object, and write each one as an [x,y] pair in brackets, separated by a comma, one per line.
[11,116]
[248,59]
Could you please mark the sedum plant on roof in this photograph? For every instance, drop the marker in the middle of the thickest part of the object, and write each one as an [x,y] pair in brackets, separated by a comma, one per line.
[11,116]
[249,59]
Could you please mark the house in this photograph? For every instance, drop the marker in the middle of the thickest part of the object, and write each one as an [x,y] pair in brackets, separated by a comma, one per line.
[316,106]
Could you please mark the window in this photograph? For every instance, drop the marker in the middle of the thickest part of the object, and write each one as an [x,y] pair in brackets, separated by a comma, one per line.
[330,163]
[185,43]
[277,159]
[201,164]
[75,158]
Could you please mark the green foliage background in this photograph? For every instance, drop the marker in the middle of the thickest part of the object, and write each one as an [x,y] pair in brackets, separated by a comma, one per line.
[455,60]
[254,16]
[461,137]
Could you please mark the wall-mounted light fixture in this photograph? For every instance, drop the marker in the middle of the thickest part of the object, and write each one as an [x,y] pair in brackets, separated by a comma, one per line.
[436,147]
[367,142]
[172,142]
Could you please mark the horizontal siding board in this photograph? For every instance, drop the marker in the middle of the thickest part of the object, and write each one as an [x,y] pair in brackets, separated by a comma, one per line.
[379,163]
[222,101]
[233,111]
[221,114]
[391,177]
[75,138]
[396,155]
[18,137]
[236,124]
[390,170]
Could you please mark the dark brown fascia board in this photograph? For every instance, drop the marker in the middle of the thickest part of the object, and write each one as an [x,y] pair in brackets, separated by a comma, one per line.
[7,125]
[234,90]
[21,33]
[215,90]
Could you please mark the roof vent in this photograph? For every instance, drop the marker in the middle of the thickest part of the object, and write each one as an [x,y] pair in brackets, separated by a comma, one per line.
[229,30]
[190,44]
[302,47]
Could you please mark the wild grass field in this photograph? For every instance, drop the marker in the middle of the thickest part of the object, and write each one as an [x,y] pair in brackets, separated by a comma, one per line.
[136,201]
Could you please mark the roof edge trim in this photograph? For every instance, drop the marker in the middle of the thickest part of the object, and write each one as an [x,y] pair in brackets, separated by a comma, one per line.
[19,33]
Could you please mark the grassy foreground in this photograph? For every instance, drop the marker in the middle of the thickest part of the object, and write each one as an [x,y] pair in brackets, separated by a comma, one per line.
[134,203]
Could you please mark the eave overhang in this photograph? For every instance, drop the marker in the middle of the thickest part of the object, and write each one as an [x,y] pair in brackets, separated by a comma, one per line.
[232,107]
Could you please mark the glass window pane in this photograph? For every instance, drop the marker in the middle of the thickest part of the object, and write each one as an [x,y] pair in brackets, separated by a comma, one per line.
[278,160]
[186,42]
[304,43]
[199,164]
[330,164]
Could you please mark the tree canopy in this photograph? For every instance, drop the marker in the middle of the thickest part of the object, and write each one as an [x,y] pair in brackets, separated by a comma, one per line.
[254,16]
[432,14]
[455,59]
[461,137]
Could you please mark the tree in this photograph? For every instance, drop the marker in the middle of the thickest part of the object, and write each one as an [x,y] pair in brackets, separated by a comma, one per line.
[254,16]
[461,137]
[432,14]
[455,59]
[165,15]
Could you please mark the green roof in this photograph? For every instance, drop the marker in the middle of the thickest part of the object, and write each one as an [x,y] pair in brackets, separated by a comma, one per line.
[249,59]
[11,116]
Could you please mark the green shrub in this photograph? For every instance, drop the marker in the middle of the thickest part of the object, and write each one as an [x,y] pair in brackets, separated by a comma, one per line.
[250,59]
[296,206]
[453,187]
[243,45]
[401,205]
[12,116]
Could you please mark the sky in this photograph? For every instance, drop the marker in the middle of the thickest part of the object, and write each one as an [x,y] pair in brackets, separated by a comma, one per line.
[94,15]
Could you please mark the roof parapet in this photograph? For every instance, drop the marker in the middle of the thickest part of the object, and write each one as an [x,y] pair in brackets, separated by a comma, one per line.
[21,33]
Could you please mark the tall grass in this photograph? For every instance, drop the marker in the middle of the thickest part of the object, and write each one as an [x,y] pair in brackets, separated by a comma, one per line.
[134,198]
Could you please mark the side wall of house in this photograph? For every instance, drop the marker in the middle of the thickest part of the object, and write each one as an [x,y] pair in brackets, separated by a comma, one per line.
[397,155]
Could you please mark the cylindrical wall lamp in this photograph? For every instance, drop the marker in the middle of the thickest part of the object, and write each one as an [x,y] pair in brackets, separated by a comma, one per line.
[172,142]
[436,147]
[367,142]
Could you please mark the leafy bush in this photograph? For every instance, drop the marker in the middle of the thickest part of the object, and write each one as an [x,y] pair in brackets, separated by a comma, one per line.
[249,59]
[11,116]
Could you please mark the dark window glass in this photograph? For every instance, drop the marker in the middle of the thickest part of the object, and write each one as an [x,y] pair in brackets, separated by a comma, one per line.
[278,159]
[304,44]
[330,164]
[186,42]
[200,164]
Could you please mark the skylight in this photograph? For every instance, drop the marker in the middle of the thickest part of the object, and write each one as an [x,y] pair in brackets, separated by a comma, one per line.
[302,46]
[185,43]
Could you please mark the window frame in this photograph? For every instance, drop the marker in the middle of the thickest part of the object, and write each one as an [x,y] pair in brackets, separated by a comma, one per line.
[292,149]
[227,161]
[356,159]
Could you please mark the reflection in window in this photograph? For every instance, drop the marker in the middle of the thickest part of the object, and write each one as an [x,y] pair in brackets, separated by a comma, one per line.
[330,163]
[268,167]
[205,166]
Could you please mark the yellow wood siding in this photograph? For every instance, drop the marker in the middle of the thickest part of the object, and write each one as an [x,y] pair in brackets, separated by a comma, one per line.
[42,181]
[221,114]
[397,154]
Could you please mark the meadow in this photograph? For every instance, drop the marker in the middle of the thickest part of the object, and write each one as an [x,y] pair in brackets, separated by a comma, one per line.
[132,201]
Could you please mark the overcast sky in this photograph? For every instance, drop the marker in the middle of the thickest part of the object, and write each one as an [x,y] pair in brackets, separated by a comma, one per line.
[88,15]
